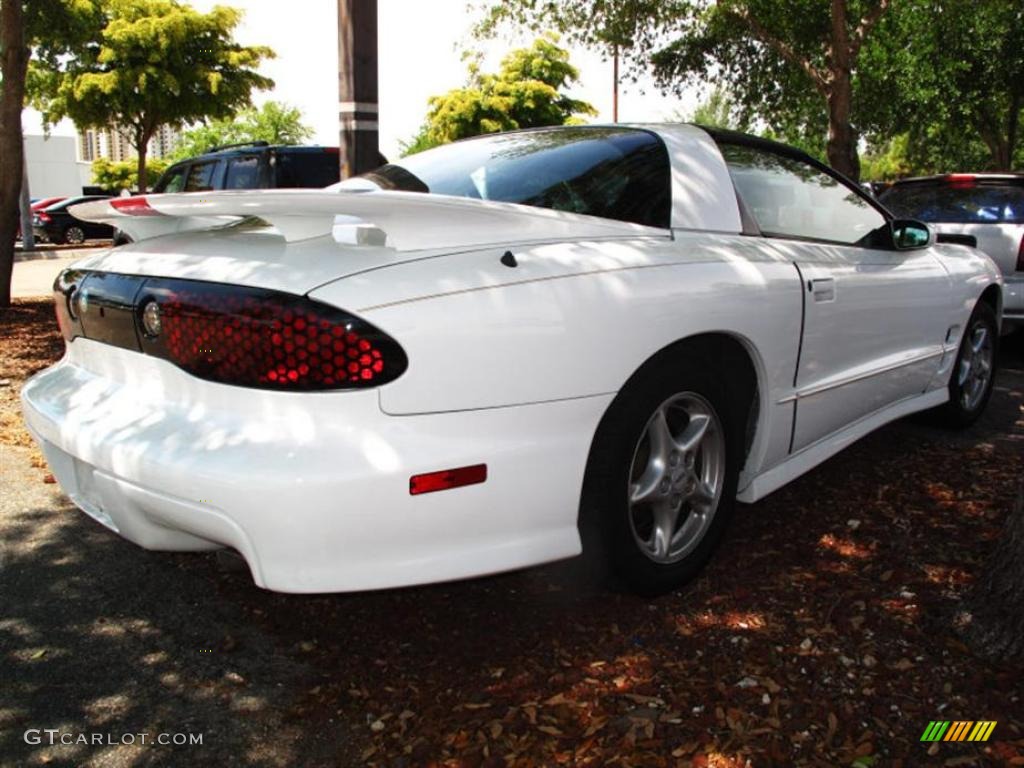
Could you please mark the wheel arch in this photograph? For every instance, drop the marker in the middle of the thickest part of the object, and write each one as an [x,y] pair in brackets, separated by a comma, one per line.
[742,369]
[735,356]
[993,296]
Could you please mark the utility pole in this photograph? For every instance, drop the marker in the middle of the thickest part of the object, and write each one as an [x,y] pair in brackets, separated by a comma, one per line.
[615,85]
[357,86]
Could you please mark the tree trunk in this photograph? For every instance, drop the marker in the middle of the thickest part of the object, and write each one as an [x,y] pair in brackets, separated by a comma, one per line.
[13,66]
[842,136]
[999,148]
[996,629]
[142,148]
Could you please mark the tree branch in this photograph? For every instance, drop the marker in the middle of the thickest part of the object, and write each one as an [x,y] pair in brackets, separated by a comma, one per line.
[782,48]
[866,25]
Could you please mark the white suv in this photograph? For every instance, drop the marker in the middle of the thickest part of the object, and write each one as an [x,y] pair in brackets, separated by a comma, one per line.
[986,206]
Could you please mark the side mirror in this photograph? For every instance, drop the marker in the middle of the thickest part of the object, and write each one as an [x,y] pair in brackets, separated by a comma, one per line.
[908,234]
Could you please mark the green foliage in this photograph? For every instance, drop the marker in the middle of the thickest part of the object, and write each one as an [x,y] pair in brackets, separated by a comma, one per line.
[526,92]
[718,110]
[54,28]
[418,143]
[789,64]
[274,123]
[124,174]
[948,74]
[890,161]
[150,63]
[958,70]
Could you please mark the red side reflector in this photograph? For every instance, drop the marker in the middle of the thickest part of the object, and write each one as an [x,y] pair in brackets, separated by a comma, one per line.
[447,478]
[134,206]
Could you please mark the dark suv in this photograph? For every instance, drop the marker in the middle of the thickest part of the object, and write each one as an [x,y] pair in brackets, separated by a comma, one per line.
[253,166]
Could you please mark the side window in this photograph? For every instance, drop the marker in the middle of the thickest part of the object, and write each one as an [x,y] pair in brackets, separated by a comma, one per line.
[173,180]
[243,172]
[305,169]
[791,198]
[200,177]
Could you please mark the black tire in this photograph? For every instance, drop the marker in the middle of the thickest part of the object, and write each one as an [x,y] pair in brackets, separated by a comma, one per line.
[73,235]
[962,410]
[608,522]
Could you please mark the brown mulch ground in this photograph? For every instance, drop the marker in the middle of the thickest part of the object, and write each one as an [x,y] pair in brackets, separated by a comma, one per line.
[29,341]
[822,634]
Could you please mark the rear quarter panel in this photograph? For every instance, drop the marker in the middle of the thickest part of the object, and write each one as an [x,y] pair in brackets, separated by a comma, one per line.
[576,319]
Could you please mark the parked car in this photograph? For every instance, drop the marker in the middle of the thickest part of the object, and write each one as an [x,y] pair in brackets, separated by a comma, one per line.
[39,204]
[986,206]
[253,166]
[497,352]
[58,224]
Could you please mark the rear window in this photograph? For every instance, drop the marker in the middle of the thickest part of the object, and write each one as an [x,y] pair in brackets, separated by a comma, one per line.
[954,203]
[615,173]
[306,169]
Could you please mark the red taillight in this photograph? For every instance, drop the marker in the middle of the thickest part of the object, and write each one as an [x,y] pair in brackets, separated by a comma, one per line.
[259,338]
[42,217]
[961,177]
[447,478]
[134,206]
[1020,256]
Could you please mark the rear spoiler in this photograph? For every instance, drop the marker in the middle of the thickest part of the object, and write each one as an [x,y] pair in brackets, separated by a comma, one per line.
[404,220]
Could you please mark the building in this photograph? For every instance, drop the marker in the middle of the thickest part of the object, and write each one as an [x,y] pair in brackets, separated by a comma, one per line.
[53,166]
[114,146]
[62,165]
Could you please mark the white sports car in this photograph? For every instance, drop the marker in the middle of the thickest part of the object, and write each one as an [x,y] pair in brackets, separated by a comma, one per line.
[498,352]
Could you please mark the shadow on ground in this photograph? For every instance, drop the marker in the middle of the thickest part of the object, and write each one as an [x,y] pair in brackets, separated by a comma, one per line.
[822,633]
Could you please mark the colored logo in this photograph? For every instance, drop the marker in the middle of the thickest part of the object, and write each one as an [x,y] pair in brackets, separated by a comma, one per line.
[958,730]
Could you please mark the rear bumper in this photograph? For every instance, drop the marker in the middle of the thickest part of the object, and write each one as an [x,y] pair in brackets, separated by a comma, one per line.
[311,489]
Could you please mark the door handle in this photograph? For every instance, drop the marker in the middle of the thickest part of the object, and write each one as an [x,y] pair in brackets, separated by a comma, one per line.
[822,289]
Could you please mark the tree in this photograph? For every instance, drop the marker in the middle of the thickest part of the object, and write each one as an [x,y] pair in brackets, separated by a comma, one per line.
[890,161]
[961,65]
[117,176]
[45,28]
[718,111]
[526,92]
[274,123]
[154,63]
[13,65]
[787,61]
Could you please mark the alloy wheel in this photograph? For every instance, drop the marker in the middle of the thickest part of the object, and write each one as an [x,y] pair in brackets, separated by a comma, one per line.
[676,478]
[976,361]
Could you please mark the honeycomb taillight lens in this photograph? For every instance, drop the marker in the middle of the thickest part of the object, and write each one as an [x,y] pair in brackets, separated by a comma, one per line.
[260,338]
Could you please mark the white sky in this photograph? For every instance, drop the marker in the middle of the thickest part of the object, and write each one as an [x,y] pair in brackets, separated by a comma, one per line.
[419,56]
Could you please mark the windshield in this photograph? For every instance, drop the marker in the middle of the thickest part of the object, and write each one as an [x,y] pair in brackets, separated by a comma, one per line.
[615,173]
[954,203]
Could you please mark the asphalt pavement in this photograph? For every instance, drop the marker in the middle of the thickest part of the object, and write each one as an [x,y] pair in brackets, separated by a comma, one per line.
[34,273]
